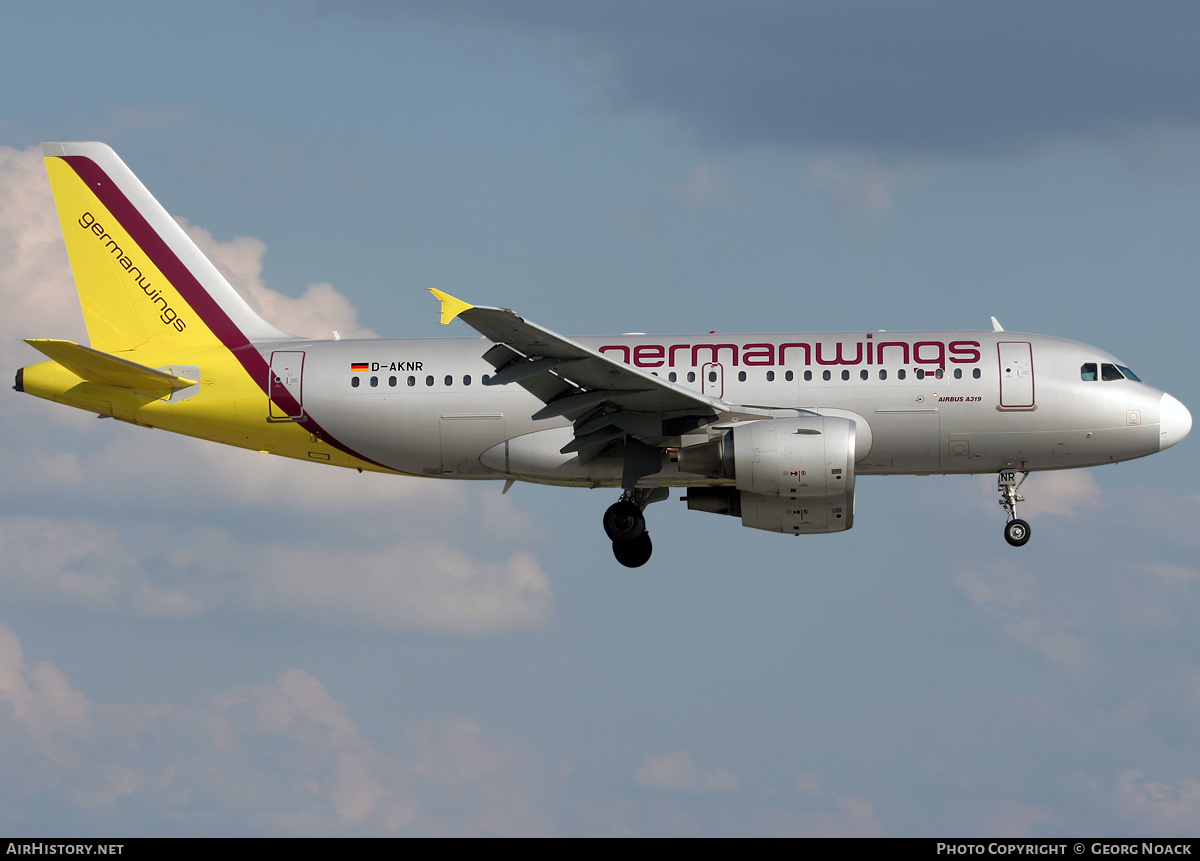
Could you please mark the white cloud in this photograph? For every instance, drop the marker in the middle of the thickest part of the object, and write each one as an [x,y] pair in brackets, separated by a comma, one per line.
[1017,819]
[1009,596]
[36,288]
[1063,492]
[707,179]
[677,771]
[282,758]
[861,189]
[842,816]
[316,314]
[1158,807]
[164,571]
[1055,493]
[184,528]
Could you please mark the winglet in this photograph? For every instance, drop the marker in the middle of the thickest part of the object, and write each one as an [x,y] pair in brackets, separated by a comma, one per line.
[451,307]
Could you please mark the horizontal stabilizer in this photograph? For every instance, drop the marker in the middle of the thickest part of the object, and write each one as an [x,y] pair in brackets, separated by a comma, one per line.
[97,367]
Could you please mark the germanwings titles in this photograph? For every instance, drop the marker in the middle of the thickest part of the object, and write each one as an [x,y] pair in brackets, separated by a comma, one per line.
[773,429]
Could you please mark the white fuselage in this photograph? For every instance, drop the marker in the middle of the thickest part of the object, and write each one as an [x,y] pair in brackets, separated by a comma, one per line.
[946,402]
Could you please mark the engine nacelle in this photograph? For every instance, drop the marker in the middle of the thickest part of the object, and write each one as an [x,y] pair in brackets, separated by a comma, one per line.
[807,456]
[790,475]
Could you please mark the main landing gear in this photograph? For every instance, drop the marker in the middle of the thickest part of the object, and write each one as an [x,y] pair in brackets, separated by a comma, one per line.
[625,524]
[1016,531]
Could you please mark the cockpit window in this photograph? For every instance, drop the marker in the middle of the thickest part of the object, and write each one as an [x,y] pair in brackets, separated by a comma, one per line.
[1129,375]
[1087,371]
[1108,372]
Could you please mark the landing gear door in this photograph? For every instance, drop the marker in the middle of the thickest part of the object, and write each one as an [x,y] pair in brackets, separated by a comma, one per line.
[1016,374]
[285,387]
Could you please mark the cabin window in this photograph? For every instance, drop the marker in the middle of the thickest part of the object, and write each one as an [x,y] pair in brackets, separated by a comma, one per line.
[354,382]
[467,380]
[882,374]
[901,374]
[691,376]
[374,382]
[807,376]
[712,376]
[485,379]
[845,375]
[429,381]
[975,373]
[939,373]
[770,376]
[789,376]
[958,373]
[449,380]
[672,376]
[392,382]
[920,373]
[741,376]
[412,381]
[864,374]
[825,375]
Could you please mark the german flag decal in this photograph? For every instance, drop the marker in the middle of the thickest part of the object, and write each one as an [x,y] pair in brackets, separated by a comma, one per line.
[359,367]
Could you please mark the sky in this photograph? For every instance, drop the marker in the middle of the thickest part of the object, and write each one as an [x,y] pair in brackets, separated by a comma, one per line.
[197,640]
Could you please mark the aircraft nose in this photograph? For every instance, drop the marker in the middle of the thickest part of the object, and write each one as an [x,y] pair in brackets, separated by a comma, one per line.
[1174,421]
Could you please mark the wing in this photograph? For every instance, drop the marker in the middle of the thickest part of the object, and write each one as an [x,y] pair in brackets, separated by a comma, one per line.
[605,399]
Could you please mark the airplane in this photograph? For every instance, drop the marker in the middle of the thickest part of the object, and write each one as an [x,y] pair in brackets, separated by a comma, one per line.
[773,429]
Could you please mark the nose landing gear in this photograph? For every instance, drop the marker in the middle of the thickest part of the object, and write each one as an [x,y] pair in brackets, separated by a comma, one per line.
[625,524]
[1016,531]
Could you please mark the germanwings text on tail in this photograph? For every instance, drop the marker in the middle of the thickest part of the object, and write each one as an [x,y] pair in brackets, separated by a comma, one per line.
[772,428]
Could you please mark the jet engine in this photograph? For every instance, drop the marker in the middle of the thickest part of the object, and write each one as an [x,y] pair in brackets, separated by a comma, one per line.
[791,475]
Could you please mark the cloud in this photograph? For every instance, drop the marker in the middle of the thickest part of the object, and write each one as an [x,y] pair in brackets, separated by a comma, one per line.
[158,570]
[1017,819]
[1009,597]
[936,78]
[316,314]
[36,288]
[1158,807]
[676,771]
[188,528]
[277,758]
[1061,492]
[38,291]
[860,188]
[842,816]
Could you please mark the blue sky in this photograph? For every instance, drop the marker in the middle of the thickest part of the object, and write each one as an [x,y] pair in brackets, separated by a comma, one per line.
[199,640]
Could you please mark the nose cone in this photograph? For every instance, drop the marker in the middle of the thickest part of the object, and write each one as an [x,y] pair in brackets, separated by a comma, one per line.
[1174,422]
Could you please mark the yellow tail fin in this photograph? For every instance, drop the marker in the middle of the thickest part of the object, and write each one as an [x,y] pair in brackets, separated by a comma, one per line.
[141,280]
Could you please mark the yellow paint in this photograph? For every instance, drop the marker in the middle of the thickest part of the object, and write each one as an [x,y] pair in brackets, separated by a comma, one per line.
[451,307]
[97,367]
[132,333]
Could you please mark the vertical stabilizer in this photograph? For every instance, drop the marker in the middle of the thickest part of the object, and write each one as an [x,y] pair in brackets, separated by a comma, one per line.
[142,282]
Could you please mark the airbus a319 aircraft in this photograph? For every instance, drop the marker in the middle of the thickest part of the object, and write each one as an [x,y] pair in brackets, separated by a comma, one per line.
[771,428]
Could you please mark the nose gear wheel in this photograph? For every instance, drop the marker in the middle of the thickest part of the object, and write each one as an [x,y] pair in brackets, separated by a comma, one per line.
[1016,531]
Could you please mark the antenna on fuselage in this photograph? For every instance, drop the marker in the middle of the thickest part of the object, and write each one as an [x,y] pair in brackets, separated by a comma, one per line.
[996,327]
